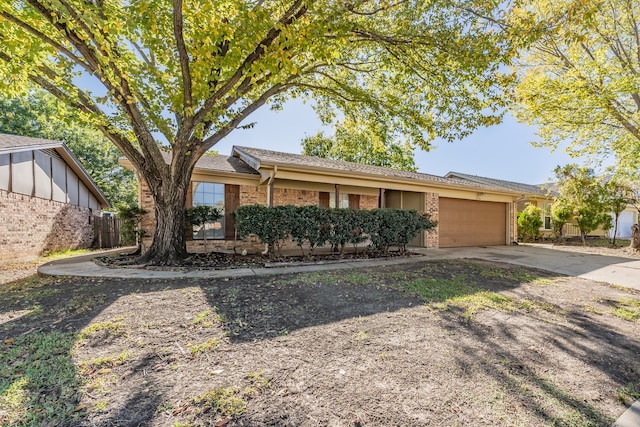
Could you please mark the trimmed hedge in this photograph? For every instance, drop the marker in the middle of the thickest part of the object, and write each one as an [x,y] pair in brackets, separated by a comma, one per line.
[314,226]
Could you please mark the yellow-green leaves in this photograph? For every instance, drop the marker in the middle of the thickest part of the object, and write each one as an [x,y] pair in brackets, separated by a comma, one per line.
[157,73]
[581,82]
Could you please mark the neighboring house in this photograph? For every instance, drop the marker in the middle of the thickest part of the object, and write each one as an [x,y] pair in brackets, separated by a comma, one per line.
[543,196]
[47,199]
[468,213]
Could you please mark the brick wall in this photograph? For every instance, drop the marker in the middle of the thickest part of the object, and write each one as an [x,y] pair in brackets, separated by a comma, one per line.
[432,207]
[368,202]
[251,195]
[285,196]
[31,226]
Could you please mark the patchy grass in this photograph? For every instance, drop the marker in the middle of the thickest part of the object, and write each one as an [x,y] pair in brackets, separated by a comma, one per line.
[83,304]
[627,309]
[209,345]
[65,253]
[38,381]
[492,347]
[113,328]
[104,362]
[629,393]
[222,402]
[205,319]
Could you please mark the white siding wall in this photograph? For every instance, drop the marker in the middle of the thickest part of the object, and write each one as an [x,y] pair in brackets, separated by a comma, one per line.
[72,187]
[83,196]
[22,173]
[4,172]
[59,180]
[42,175]
[36,173]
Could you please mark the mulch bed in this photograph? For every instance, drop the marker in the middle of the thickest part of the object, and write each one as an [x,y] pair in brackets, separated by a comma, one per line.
[224,260]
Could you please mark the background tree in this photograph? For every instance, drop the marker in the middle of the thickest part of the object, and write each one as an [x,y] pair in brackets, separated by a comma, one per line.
[618,194]
[356,142]
[130,231]
[581,82]
[529,222]
[39,115]
[581,192]
[200,216]
[165,80]
[560,215]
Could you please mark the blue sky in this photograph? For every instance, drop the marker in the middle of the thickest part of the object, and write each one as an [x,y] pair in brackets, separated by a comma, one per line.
[503,151]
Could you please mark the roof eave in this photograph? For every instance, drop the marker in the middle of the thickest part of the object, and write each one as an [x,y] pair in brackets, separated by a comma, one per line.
[381,178]
[19,149]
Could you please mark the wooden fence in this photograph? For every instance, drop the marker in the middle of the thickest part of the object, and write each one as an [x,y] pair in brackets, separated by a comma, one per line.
[106,232]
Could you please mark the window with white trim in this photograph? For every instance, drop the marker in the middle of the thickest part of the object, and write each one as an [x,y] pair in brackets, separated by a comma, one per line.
[343,202]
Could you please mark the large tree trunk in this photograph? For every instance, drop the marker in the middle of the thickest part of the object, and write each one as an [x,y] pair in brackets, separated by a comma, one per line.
[169,244]
[635,237]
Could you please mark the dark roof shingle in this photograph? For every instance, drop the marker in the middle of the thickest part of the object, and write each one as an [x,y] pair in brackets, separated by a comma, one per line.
[11,143]
[225,164]
[269,156]
[511,185]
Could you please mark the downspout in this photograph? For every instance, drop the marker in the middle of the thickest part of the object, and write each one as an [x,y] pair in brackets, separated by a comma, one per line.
[272,176]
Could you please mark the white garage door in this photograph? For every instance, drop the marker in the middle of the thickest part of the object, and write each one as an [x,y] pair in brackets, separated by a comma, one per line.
[625,222]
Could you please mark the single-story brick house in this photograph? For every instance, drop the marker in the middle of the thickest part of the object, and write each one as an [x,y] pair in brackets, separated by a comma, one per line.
[47,199]
[468,213]
[543,196]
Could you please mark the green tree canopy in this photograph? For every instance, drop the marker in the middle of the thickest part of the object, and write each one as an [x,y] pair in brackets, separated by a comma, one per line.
[529,222]
[40,115]
[581,192]
[581,82]
[182,74]
[359,143]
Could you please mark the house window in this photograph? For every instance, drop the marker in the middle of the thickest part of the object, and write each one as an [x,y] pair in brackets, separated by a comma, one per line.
[209,194]
[547,216]
[343,202]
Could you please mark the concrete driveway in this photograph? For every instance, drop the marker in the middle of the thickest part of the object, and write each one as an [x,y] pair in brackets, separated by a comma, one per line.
[615,270]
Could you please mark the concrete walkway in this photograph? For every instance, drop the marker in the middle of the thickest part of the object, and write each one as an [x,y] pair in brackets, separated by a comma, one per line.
[615,270]
[85,267]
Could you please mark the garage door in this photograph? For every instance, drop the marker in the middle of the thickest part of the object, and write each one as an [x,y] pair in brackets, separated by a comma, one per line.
[471,223]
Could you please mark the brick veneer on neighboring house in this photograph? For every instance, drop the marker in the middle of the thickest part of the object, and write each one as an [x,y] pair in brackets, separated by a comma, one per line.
[32,226]
[432,203]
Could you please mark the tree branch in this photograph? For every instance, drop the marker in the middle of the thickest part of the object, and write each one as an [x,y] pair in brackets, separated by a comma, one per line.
[233,123]
[46,39]
[297,10]
[184,61]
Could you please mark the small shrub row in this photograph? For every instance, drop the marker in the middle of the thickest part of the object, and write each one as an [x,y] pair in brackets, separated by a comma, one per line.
[314,226]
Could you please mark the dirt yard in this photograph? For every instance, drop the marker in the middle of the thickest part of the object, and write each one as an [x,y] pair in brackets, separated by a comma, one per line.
[426,343]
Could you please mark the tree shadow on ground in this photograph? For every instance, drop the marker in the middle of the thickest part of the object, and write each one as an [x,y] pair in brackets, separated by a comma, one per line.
[532,371]
[65,312]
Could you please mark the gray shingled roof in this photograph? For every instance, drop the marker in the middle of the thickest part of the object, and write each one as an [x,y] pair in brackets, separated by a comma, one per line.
[219,163]
[511,185]
[12,143]
[225,164]
[276,157]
